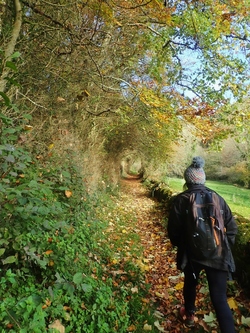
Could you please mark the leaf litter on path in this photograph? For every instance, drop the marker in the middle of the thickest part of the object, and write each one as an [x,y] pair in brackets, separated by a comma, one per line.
[159,258]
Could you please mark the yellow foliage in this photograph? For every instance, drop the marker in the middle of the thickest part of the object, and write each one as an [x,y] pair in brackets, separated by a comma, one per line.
[142,266]
[232,303]
[179,286]
[150,98]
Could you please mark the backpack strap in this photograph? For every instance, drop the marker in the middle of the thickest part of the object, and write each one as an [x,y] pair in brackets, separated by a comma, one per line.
[217,213]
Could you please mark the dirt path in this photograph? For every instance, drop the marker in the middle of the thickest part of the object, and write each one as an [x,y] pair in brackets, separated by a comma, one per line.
[159,255]
[161,273]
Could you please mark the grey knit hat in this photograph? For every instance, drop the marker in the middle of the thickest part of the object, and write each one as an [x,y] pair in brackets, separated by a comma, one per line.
[195,174]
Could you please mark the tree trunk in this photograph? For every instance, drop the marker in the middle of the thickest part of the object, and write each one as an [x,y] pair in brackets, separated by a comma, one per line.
[10,46]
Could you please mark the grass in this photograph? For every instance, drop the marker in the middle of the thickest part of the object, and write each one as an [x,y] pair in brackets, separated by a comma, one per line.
[237,197]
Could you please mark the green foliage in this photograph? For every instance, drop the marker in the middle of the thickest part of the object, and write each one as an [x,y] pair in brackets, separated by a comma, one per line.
[54,253]
[53,249]
[242,252]
[54,258]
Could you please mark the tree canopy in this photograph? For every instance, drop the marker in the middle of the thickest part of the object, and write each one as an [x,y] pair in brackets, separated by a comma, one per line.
[110,76]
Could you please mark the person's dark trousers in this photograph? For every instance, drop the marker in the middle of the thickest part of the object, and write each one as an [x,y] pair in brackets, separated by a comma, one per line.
[217,282]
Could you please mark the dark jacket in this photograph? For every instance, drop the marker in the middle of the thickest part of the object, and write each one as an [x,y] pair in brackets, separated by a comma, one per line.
[176,232]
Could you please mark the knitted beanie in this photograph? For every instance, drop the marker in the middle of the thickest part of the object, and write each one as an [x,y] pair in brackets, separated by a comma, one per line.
[195,174]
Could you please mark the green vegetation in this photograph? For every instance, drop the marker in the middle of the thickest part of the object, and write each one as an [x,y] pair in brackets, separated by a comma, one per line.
[74,107]
[62,266]
[237,197]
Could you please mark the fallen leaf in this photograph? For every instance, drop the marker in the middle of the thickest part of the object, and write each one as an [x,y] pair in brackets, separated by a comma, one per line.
[66,308]
[232,303]
[179,286]
[158,326]
[28,128]
[48,252]
[68,193]
[245,321]
[83,306]
[159,294]
[58,326]
[147,327]
[135,290]
[158,314]
[131,328]
[60,99]
[209,318]
[145,300]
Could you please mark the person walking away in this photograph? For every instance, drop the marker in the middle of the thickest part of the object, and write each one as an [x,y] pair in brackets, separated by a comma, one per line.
[217,268]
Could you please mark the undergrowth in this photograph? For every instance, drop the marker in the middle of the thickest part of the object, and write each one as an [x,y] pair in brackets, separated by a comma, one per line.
[62,269]
[59,267]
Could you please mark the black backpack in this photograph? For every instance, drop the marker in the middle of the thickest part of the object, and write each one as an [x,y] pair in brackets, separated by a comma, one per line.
[205,225]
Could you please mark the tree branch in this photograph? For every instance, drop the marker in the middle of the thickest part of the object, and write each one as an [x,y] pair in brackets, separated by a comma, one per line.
[40,106]
[98,114]
[38,11]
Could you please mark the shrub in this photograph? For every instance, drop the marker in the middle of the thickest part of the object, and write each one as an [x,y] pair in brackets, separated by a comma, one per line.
[242,253]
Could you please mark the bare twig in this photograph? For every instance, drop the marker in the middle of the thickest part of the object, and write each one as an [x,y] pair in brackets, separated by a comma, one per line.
[38,105]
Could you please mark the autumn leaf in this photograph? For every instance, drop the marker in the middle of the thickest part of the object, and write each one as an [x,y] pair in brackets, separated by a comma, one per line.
[179,286]
[209,318]
[147,327]
[83,306]
[9,325]
[68,193]
[47,303]
[58,326]
[158,314]
[159,327]
[145,300]
[159,294]
[245,321]
[60,99]
[232,303]
[48,252]
[134,290]
[67,308]
[131,328]
[28,127]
